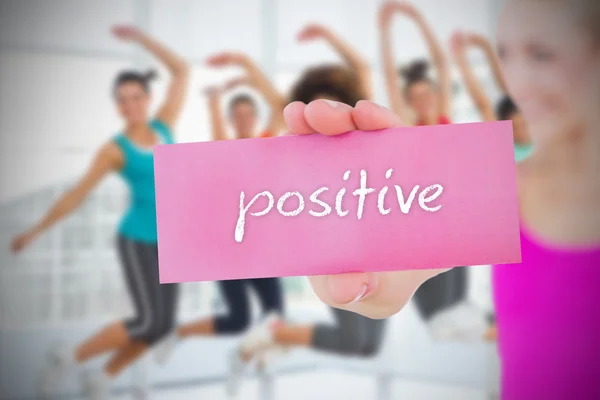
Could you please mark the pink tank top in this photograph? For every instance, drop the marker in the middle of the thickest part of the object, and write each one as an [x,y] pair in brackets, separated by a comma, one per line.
[548,316]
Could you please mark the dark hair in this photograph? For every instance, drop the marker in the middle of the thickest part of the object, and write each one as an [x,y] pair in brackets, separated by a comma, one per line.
[242,99]
[143,79]
[505,108]
[335,81]
[415,72]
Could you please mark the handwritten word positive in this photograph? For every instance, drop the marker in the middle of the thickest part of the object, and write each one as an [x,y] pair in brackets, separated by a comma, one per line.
[426,196]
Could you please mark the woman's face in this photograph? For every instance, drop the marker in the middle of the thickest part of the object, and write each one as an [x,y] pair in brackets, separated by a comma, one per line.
[550,64]
[423,99]
[133,102]
[244,119]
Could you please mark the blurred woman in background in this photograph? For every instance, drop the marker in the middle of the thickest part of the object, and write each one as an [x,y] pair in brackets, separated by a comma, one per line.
[460,43]
[506,108]
[243,112]
[420,101]
[442,302]
[243,115]
[546,306]
[350,334]
[130,155]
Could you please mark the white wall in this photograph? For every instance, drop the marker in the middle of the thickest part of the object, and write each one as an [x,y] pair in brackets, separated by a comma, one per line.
[57,62]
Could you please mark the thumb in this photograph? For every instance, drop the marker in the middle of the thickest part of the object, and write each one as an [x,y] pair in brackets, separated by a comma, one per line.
[343,289]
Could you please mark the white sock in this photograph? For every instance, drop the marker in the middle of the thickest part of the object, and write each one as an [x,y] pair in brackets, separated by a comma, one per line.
[98,378]
[163,349]
[260,335]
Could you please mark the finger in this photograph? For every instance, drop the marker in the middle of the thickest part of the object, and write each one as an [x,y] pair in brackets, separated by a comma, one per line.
[369,116]
[293,115]
[329,117]
[386,294]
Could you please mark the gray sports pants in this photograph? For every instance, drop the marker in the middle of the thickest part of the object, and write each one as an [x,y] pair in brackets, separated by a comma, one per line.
[155,304]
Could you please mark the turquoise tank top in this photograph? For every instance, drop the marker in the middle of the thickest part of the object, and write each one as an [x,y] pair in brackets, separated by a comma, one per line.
[139,222]
[522,152]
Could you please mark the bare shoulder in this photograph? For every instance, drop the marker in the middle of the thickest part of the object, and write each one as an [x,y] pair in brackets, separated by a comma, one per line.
[111,154]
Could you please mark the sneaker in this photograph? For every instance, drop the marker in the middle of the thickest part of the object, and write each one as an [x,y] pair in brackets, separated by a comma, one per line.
[96,385]
[237,367]
[463,322]
[162,350]
[59,364]
[260,336]
[269,355]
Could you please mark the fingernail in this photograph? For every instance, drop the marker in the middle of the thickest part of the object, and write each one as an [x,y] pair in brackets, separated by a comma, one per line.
[361,294]
[380,106]
[336,105]
[333,104]
[373,103]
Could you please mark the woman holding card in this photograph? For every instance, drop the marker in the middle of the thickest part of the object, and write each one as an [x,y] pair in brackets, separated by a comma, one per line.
[130,155]
[547,316]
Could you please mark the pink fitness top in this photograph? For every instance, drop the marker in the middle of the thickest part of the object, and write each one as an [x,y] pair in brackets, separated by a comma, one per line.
[548,316]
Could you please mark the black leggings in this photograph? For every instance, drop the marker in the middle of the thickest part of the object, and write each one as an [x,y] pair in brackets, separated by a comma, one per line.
[441,291]
[236,295]
[155,304]
[351,334]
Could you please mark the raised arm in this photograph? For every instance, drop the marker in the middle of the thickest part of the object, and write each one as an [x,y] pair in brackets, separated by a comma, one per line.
[395,97]
[488,49]
[217,120]
[255,78]
[276,123]
[438,57]
[108,159]
[178,68]
[352,58]
[458,45]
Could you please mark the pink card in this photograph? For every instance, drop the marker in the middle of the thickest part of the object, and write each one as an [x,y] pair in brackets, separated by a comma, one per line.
[313,205]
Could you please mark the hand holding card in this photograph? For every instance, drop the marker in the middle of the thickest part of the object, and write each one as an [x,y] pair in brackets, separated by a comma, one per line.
[373,294]
[398,199]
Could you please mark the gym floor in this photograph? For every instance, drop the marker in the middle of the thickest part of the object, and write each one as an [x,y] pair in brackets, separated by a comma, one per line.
[323,385]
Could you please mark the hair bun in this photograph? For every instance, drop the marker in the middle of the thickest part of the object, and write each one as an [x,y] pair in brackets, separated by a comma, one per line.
[150,75]
[416,71]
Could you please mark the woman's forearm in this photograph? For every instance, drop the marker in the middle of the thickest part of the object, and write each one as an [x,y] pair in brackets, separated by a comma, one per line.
[68,203]
[175,63]
[216,117]
[393,89]
[354,60]
[473,86]
[264,85]
[494,62]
